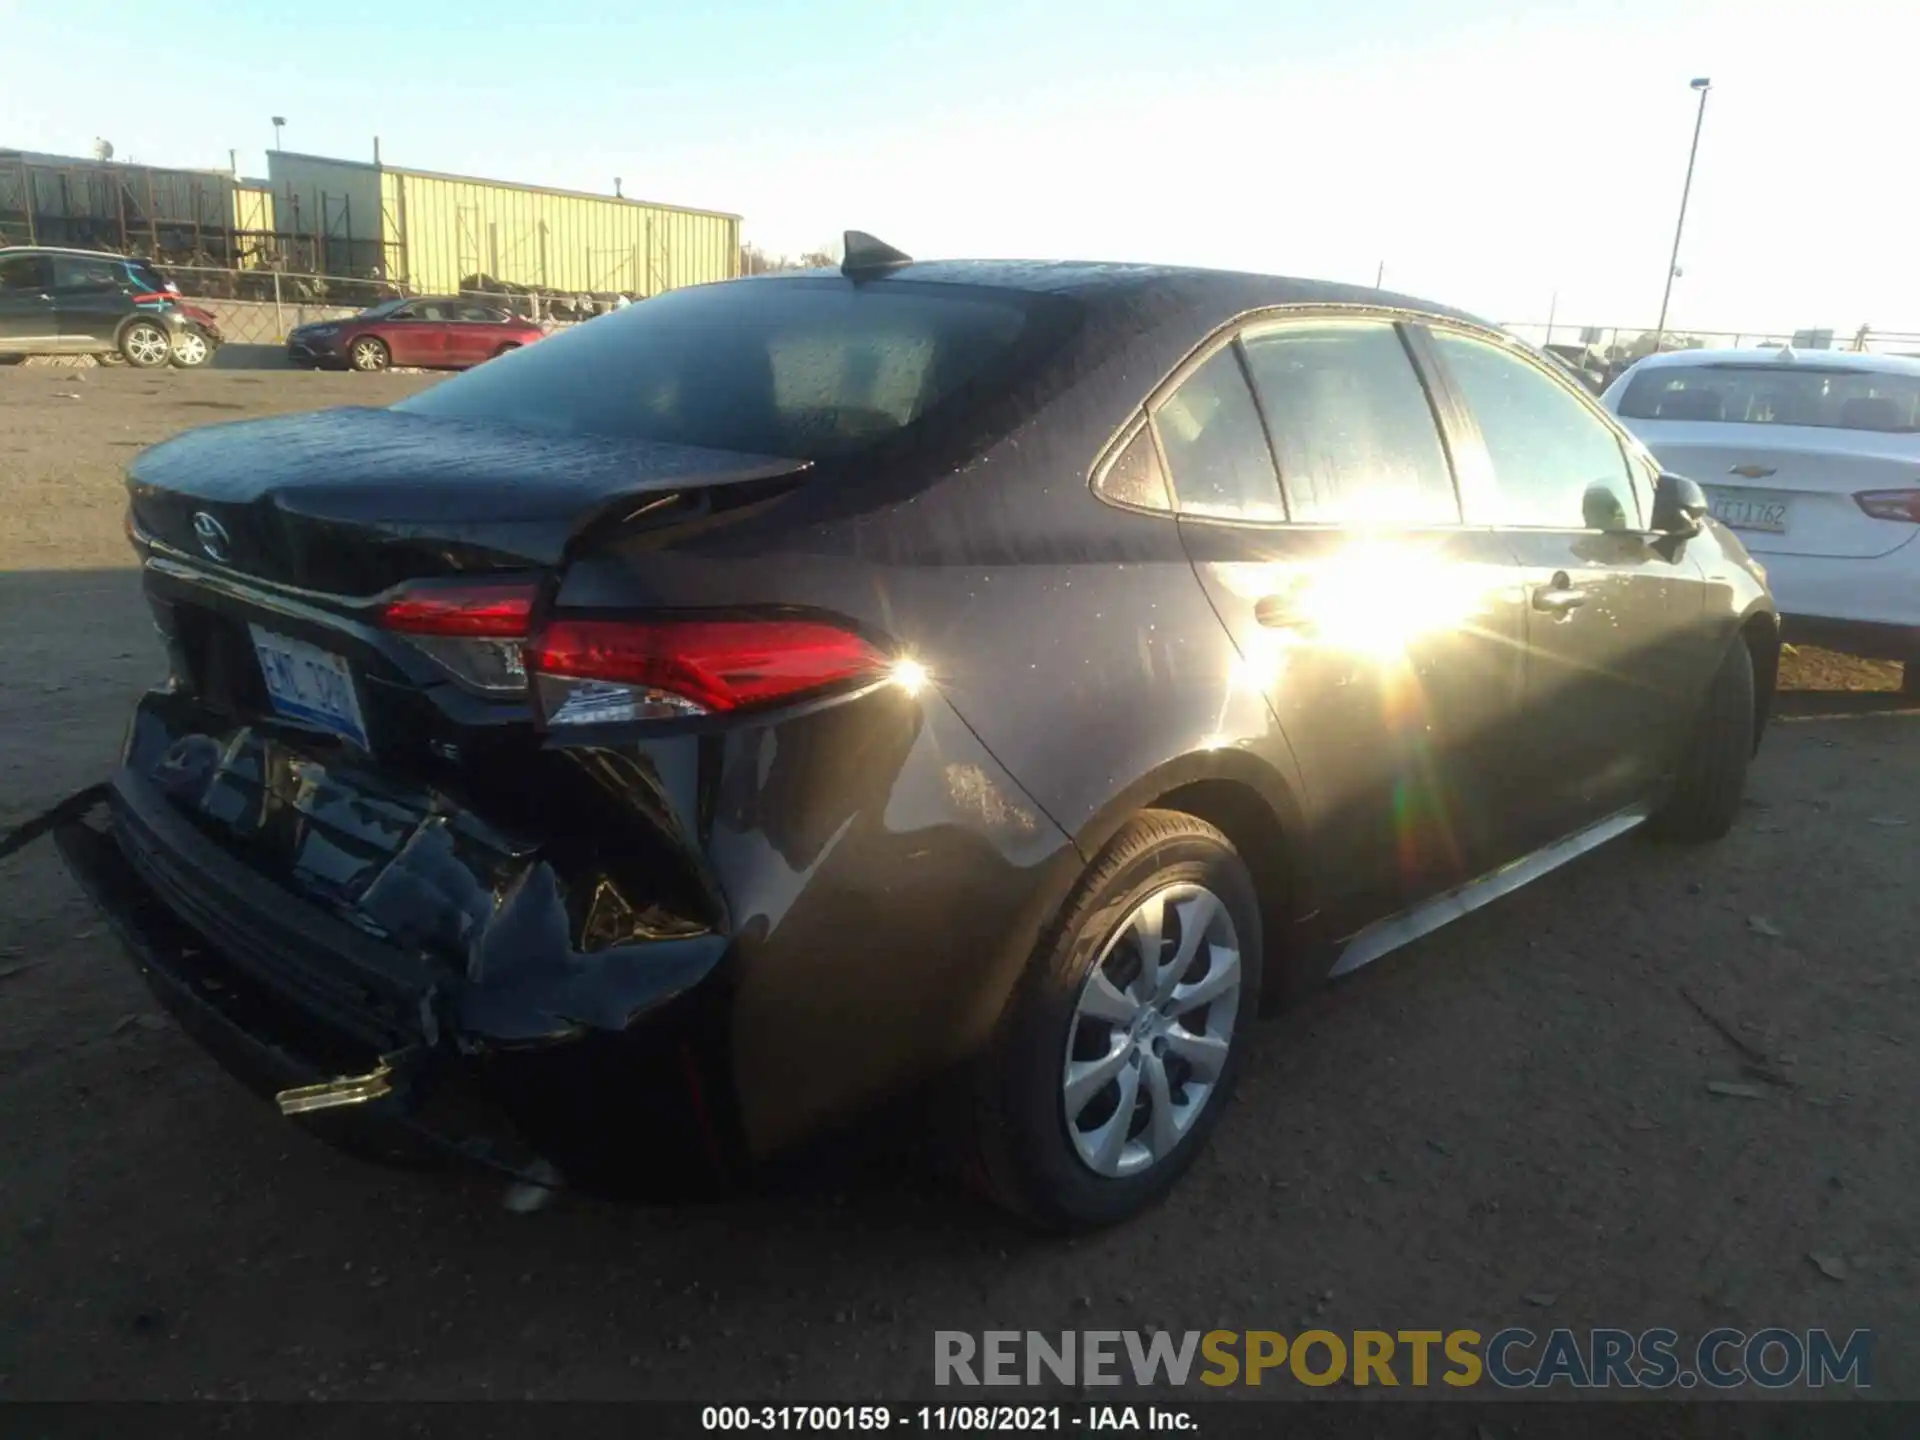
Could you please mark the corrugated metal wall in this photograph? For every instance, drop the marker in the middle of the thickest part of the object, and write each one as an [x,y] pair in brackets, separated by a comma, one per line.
[330,209]
[55,200]
[452,229]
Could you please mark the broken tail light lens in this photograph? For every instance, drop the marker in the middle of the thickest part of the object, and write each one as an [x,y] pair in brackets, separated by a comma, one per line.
[476,631]
[1902,505]
[592,671]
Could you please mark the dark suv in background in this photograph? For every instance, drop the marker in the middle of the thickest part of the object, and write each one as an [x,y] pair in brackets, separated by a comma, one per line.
[87,302]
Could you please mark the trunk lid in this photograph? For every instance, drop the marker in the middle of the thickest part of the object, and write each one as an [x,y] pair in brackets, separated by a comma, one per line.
[350,502]
[1788,490]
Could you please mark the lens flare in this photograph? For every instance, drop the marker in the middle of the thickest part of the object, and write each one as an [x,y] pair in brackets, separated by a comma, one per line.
[909,674]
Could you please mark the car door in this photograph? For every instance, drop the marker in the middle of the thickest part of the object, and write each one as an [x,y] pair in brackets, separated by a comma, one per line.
[415,334]
[1616,640]
[91,295]
[1384,633]
[28,321]
[473,334]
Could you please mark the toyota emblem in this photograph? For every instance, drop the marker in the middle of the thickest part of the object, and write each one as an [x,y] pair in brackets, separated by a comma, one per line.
[212,536]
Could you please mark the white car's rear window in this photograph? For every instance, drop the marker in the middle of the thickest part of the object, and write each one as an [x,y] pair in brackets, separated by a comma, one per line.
[1775,394]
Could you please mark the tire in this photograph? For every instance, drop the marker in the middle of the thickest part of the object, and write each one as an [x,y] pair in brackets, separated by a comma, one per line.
[1910,679]
[369,355]
[145,345]
[1706,793]
[1019,1145]
[193,350]
[505,350]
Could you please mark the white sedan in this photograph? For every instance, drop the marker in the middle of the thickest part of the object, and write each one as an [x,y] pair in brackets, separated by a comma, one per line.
[1814,458]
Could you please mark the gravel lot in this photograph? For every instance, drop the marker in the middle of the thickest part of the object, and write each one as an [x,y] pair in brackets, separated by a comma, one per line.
[1509,1123]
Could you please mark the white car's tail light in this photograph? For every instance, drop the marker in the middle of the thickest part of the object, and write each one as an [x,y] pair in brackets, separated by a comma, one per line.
[1902,505]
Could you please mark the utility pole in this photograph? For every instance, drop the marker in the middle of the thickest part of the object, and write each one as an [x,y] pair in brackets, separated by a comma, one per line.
[1702,85]
[1380,275]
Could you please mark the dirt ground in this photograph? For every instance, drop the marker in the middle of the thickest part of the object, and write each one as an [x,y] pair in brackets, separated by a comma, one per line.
[1507,1123]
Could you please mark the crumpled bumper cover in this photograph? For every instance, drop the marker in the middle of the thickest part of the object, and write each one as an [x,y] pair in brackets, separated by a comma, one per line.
[287,998]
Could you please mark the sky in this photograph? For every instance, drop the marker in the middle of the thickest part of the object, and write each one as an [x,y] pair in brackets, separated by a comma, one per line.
[1513,159]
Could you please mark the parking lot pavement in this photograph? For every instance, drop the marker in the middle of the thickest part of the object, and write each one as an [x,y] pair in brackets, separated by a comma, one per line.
[1664,1086]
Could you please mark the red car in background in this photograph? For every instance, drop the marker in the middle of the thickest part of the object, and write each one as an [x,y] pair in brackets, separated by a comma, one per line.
[428,332]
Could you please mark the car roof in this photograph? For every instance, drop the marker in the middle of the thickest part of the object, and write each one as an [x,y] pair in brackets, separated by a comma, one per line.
[1118,281]
[1785,355]
[69,250]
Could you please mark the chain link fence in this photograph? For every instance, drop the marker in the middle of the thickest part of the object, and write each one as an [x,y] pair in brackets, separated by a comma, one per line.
[259,307]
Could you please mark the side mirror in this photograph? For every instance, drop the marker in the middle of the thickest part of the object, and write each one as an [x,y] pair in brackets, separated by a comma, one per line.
[1679,506]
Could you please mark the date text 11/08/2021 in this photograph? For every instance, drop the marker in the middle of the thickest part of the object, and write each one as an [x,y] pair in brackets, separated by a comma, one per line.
[934,1419]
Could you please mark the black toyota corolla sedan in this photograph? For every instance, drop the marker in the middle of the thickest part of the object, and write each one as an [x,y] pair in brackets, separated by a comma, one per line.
[995,683]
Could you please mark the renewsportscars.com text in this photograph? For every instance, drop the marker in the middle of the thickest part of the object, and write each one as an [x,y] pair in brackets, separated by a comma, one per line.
[1513,1359]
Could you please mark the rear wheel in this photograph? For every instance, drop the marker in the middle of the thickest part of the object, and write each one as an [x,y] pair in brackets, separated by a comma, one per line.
[1117,1053]
[191,349]
[145,345]
[1706,795]
[504,349]
[1910,679]
[369,354]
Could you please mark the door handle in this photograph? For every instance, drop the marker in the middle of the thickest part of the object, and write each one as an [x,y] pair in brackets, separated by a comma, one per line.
[1558,596]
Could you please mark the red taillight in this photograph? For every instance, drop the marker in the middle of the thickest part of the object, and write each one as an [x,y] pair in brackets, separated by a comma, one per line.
[1901,505]
[662,668]
[476,612]
[475,630]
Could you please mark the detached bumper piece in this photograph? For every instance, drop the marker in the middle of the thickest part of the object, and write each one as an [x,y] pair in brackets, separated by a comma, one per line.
[360,1043]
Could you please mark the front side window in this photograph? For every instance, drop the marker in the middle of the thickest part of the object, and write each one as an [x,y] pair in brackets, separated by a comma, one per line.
[1782,393]
[1556,465]
[1356,438]
[1216,448]
[25,272]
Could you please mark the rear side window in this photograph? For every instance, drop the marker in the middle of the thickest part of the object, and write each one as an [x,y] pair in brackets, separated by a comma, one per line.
[1216,447]
[806,368]
[1556,465]
[76,273]
[145,276]
[1775,394]
[1135,476]
[1356,436]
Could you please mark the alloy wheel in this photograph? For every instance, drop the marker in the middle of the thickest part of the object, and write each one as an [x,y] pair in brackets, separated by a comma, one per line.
[369,355]
[191,349]
[1151,1030]
[147,345]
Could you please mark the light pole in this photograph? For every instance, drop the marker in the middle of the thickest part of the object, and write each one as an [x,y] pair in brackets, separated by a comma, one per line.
[1703,85]
[279,123]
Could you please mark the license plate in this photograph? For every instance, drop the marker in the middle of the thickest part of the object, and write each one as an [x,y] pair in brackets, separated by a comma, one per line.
[1736,511]
[308,684]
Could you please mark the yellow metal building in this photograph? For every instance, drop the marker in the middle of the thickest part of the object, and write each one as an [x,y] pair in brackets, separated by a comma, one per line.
[438,232]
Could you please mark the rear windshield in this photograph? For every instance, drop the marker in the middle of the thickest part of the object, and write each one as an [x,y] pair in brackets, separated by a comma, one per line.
[1775,395]
[809,369]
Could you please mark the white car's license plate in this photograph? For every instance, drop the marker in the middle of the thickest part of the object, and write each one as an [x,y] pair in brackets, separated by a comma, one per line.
[1739,510]
[308,684]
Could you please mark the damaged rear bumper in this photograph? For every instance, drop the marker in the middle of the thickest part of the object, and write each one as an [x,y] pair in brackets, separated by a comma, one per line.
[388,1052]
